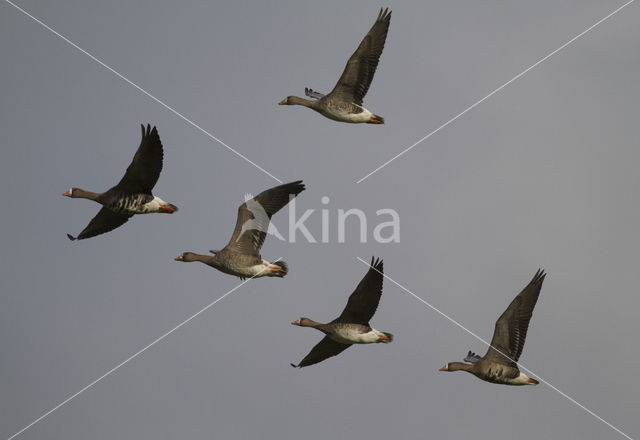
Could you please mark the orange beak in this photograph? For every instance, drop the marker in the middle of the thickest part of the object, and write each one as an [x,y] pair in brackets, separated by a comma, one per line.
[167,208]
[283,102]
[67,193]
[296,322]
[444,368]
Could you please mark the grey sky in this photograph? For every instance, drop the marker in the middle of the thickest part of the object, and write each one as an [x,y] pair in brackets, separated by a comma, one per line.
[543,174]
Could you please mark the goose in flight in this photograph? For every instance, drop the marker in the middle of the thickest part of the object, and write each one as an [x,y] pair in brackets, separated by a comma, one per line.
[241,257]
[132,195]
[344,103]
[499,365]
[352,326]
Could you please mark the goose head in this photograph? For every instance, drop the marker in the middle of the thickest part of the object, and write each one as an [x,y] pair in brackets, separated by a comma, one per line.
[77,193]
[304,322]
[457,366]
[73,192]
[186,257]
[295,100]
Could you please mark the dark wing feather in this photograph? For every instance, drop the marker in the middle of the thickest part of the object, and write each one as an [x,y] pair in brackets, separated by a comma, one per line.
[106,220]
[312,93]
[511,328]
[255,215]
[324,349]
[472,358]
[363,302]
[144,170]
[358,73]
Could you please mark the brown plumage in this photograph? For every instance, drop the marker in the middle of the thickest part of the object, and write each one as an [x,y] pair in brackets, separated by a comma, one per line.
[241,256]
[344,103]
[132,195]
[499,364]
[352,326]
[356,78]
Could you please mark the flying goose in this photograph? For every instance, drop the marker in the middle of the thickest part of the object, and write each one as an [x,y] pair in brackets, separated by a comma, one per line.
[344,103]
[352,326]
[132,195]
[499,365]
[241,257]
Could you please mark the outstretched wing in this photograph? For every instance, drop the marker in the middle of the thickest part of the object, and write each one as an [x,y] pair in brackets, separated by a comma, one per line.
[472,358]
[254,216]
[106,220]
[144,170]
[511,328]
[358,73]
[324,349]
[363,302]
[312,93]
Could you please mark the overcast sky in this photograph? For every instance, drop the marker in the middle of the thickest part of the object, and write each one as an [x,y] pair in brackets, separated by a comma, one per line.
[542,174]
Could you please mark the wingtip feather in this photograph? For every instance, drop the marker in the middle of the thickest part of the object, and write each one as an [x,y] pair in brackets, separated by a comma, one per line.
[377,263]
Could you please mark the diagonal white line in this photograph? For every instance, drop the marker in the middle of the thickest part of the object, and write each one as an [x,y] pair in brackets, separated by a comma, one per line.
[136,354]
[488,344]
[496,90]
[171,109]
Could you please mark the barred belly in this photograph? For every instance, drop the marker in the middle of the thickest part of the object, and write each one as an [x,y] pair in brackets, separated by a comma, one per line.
[133,204]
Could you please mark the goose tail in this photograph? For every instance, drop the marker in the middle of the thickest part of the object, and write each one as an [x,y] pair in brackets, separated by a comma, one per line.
[279,269]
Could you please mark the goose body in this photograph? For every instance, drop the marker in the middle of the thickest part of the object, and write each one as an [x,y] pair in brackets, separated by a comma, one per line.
[130,204]
[358,334]
[240,265]
[352,114]
[241,256]
[344,102]
[499,365]
[132,195]
[347,333]
[352,326]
